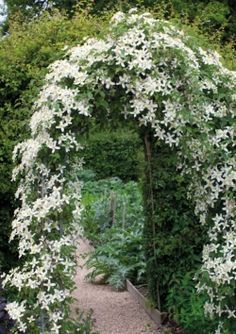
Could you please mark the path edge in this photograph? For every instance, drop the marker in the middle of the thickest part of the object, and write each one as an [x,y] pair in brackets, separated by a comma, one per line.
[157,316]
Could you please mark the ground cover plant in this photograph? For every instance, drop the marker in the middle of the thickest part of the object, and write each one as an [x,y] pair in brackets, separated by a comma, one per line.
[178,93]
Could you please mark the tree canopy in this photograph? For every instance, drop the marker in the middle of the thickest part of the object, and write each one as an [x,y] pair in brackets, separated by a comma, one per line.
[213,15]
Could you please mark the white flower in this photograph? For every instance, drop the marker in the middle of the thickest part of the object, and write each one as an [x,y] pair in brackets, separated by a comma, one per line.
[118,17]
[16,310]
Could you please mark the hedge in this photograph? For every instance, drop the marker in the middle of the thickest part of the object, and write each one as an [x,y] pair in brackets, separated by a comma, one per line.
[114,153]
[173,238]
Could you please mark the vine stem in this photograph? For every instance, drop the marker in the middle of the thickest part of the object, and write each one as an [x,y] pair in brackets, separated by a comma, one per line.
[149,159]
[42,318]
[123,215]
[42,323]
[112,207]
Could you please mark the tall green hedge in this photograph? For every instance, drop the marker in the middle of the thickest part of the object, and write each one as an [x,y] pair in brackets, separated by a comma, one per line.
[173,236]
[114,153]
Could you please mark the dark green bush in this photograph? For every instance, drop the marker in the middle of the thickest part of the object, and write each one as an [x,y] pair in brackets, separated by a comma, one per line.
[172,234]
[187,307]
[115,153]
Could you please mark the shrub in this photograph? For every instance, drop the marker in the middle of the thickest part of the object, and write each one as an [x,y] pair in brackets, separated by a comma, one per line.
[187,307]
[118,256]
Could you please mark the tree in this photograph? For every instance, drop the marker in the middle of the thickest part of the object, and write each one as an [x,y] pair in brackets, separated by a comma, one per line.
[213,16]
[33,7]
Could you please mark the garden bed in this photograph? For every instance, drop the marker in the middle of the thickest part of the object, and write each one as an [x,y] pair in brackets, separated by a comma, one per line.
[139,295]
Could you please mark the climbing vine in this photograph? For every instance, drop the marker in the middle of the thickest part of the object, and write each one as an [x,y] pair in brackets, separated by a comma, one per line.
[149,71]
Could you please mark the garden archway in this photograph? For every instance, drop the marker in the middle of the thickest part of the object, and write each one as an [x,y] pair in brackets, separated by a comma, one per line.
[144,70]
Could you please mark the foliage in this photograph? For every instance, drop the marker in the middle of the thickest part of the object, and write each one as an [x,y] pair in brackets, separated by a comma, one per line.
[113,153]
[177,240]
[187,307]
[85,322]
[24,57]
[182,96]
[113,220]
[118,256]
[5,322]
[211,17]
[8,254]
[109,202]
[216,18]
[34,7]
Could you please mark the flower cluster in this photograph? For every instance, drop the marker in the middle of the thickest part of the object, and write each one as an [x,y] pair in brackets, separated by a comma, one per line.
[166,82]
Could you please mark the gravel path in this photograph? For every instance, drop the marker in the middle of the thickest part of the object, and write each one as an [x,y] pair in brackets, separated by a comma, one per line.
[114,312]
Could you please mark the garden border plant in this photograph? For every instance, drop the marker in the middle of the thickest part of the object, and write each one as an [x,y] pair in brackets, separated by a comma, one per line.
[148,71]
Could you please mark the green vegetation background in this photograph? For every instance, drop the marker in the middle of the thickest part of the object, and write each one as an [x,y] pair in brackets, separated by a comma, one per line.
[216,15]
[31,42]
